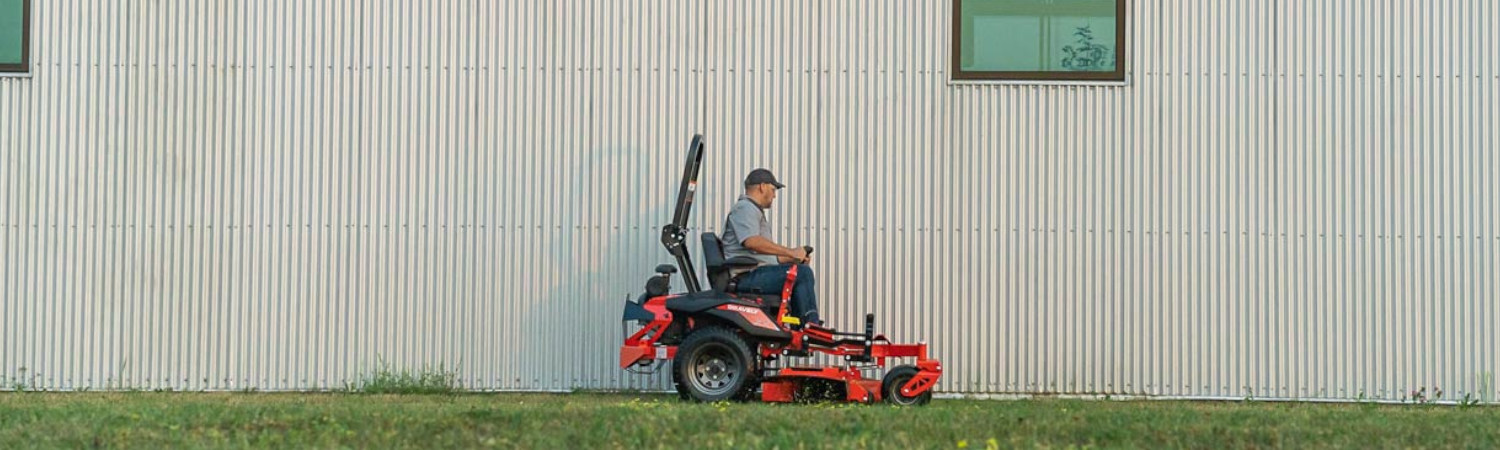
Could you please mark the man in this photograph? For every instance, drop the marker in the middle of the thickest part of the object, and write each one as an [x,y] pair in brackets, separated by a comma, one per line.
[747,233]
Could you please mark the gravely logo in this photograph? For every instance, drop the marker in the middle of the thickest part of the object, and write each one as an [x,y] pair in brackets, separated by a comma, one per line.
[741,309]
[755,316]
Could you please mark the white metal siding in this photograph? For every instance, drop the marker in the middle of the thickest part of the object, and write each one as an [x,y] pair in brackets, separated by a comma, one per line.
[1289,199]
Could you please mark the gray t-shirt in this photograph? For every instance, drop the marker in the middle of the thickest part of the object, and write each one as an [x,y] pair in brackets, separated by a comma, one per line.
[746,219]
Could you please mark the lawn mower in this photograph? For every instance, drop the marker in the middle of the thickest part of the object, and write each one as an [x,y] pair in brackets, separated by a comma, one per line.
[729,345]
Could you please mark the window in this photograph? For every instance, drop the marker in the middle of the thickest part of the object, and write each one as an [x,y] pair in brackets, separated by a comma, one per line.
[1043,40]
[14,33]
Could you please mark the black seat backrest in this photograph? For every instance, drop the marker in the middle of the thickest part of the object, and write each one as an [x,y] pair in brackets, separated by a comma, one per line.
[722,272]
[713,258]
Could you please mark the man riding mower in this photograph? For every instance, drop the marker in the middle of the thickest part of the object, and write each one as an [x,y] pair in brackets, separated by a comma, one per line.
[728,341]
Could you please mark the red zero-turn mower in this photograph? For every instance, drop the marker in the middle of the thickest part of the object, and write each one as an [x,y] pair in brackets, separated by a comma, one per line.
[727,345]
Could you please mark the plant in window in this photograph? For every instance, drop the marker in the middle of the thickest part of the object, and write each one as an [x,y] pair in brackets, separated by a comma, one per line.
[1086,55]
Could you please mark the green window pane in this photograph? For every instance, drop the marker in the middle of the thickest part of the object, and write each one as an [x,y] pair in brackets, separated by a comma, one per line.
[12,37]
[1038,35]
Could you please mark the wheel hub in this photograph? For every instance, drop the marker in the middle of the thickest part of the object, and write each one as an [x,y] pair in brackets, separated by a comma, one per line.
[716,369]
[713,372]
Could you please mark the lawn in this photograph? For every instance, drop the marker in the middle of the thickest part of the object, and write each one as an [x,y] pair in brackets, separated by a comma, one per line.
[149,420]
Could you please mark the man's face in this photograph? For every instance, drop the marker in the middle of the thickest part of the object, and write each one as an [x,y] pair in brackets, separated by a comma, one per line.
[766,193]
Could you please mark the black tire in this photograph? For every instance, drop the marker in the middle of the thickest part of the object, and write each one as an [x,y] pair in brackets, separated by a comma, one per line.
[890,387]
[715,364]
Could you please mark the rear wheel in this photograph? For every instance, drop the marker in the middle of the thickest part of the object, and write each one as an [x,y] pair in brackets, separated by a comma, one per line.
[890,387]
[714,364]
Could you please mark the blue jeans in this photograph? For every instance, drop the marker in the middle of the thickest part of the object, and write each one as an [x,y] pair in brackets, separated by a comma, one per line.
[771,279]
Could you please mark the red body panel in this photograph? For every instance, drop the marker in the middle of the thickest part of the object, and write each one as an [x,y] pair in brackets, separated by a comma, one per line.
[778,391]
[641,346]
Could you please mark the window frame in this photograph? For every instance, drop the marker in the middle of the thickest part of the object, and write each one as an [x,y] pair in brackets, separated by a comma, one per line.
[25,65]
[1122,54]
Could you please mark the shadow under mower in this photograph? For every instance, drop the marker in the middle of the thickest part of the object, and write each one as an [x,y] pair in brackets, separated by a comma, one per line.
[727,345]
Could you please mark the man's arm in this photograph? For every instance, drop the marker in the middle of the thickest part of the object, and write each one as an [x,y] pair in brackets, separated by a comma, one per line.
[785,255]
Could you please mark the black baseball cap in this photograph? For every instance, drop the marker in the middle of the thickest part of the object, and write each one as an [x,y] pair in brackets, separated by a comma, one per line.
[762,176]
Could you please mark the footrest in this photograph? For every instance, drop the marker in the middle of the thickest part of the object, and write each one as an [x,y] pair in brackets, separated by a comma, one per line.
[818,335]
[819,327]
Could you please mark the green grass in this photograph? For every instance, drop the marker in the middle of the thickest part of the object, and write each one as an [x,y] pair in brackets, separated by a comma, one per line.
[149,420]
[388,380]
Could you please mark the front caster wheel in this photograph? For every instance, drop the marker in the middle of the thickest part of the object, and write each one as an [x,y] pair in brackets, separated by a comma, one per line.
[890,387]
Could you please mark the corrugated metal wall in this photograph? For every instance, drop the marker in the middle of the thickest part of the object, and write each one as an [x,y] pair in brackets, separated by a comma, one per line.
[1289,199]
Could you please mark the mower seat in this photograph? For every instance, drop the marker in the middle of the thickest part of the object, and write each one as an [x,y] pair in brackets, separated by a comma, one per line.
[722,273]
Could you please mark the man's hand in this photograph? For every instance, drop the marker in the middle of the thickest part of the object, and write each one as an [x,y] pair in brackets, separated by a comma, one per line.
[799,255]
